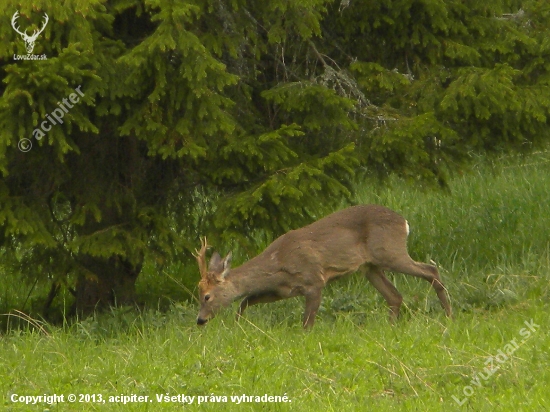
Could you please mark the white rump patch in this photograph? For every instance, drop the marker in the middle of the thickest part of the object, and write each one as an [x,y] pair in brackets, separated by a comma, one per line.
[407,227]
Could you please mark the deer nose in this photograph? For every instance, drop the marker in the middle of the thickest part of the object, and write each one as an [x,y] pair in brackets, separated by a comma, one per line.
[201,322]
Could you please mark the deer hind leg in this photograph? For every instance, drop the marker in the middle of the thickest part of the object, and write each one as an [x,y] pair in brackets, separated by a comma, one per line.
[381,283]
[427,272]
[255,299]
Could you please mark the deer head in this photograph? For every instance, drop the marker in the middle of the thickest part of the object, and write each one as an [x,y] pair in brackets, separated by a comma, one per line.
[213,291]
[29,40]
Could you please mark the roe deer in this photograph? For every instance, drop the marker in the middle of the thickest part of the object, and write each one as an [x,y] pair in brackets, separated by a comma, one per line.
[365,238]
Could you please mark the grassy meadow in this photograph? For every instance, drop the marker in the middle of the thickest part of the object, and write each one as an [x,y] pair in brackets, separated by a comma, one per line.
[490,238]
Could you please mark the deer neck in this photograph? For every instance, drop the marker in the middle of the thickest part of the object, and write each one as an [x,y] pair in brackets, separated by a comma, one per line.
[251,278]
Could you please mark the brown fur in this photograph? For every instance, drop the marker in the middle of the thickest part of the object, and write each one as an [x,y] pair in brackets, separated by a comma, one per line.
[366,238]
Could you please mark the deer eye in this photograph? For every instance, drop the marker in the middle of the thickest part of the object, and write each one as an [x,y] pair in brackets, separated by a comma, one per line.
[206,298]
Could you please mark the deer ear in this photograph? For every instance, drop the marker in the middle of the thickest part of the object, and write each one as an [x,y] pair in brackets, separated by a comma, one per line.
[215,262]
[226,265]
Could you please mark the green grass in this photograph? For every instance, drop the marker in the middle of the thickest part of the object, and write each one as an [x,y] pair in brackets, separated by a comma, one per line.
[489,236]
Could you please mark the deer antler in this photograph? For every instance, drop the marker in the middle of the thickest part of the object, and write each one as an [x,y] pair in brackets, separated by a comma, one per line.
[37,32]
[13,22]
[200,255]
[24,34]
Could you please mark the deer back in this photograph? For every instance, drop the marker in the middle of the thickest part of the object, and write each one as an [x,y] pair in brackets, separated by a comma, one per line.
[338,243]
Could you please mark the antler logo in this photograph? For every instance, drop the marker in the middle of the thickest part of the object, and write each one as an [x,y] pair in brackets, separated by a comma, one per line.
[29,40]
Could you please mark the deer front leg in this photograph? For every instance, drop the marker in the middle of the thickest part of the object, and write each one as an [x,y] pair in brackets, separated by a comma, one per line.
[255,299]
[313,301]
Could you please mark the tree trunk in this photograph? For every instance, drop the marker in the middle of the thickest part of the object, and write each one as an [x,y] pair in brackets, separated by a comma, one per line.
[105,283]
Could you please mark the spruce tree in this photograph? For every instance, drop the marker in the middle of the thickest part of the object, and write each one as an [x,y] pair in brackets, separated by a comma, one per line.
[205,117]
